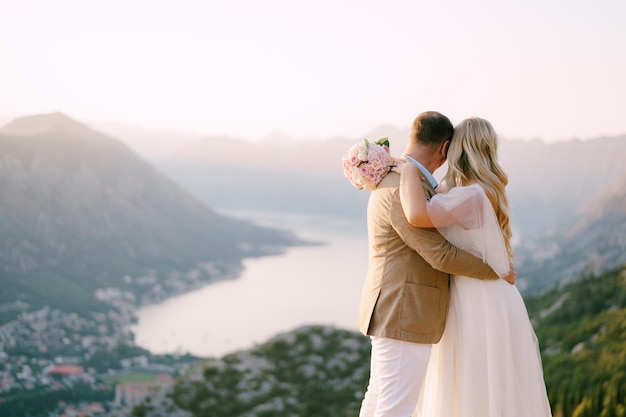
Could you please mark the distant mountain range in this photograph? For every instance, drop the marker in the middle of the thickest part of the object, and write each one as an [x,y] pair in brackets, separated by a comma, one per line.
[150,144]
[549,183]
[561,194]
[553,188]
[79,211]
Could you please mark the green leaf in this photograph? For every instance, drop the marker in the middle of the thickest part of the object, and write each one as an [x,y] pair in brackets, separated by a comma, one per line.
[383,142]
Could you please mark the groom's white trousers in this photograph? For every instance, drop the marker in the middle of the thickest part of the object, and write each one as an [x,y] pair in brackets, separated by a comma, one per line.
[396,377]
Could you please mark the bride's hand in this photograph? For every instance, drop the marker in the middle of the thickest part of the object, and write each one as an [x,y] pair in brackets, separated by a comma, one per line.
[397,167]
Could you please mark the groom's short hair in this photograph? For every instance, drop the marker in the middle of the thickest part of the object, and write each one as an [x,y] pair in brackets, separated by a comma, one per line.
[431,128]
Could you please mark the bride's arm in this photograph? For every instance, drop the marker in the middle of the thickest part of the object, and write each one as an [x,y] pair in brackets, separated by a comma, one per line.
[412,197]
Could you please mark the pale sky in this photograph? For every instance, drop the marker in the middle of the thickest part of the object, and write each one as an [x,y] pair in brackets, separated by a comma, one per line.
[549,69]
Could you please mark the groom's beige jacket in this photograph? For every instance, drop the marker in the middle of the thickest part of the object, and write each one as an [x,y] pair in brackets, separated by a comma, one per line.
[407,288]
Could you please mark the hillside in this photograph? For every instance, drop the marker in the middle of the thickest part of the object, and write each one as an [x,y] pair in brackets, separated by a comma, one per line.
[549,184]
[320,371]
[80,211]
[582,332]
[594,243]
[311,372]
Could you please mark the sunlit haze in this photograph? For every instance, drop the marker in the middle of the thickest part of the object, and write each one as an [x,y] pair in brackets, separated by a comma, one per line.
[536,69]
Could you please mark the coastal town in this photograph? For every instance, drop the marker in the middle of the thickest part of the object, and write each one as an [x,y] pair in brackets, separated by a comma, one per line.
[78,366]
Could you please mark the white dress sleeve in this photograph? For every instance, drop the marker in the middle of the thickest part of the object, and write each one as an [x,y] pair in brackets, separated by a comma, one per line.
[465,217]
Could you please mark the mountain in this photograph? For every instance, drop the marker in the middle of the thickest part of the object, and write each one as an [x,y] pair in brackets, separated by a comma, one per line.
[227,173]
[274,174]
[322,371]
[546,181]
[80,211]
[549,184]
[595,242]
[151,144]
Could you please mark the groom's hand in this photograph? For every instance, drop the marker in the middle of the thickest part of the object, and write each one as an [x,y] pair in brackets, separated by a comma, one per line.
[511,277]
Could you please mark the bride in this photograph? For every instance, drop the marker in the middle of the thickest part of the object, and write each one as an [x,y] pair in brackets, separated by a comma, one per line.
[487,363]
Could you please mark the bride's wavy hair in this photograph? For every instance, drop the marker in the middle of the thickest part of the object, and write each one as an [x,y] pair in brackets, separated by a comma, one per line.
[473,157]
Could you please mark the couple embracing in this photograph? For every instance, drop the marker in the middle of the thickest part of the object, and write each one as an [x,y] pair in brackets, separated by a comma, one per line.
[450,332]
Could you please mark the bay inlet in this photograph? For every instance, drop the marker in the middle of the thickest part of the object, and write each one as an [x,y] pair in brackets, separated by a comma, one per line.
[318,284]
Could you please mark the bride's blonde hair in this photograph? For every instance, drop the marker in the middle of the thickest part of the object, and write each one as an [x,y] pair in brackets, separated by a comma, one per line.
[472,157]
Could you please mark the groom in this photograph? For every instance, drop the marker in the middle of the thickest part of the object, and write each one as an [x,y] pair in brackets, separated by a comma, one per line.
[405,296]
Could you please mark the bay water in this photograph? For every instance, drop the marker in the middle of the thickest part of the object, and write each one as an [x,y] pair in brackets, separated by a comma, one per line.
[318,284]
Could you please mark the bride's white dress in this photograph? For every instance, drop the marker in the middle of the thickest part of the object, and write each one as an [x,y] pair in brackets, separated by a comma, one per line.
[487,363]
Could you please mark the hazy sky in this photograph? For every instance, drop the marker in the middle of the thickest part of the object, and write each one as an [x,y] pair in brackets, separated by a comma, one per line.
[547,69]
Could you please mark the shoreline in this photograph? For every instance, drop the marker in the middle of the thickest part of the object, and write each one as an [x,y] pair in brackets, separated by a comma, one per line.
[277,292]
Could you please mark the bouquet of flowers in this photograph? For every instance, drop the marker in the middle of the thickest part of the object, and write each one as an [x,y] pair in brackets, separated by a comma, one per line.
[365,163]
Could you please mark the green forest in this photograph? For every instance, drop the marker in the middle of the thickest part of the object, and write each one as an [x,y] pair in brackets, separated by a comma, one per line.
[582,332]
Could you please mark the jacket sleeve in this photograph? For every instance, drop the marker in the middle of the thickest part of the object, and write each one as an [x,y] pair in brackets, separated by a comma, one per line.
[435,249]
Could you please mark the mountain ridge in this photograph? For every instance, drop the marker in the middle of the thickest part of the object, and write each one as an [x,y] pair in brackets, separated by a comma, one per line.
[81,211]
[550,184]
[592,244]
